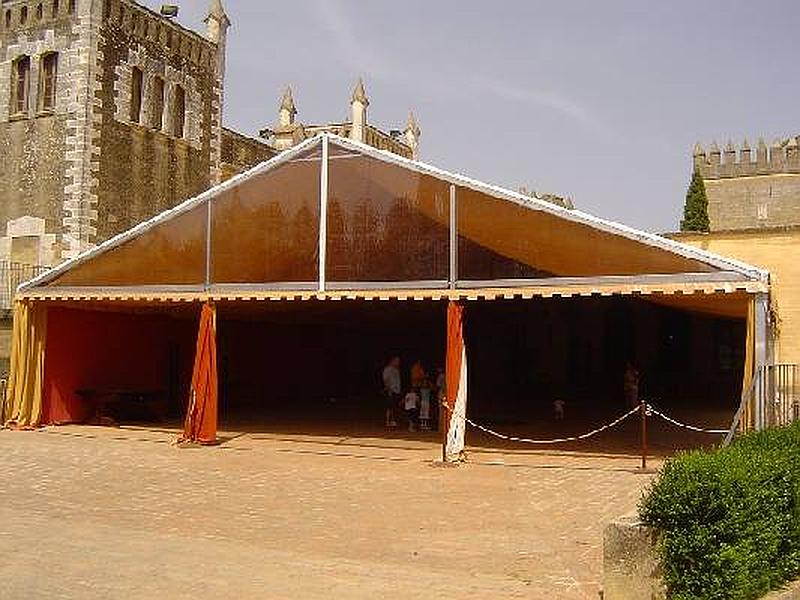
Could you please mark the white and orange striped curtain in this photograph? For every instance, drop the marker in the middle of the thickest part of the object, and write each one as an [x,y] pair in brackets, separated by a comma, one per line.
[456,383]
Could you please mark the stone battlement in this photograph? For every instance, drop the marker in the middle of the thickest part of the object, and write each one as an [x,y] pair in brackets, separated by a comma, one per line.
[19,15]
[147,25]
[136,20]
[782,156]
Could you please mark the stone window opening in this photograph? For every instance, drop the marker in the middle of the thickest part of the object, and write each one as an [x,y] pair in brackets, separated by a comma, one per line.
[137,78]
[55,8]
[158,103]
[8,19]
[48,76]
[23,15]
[71,7]
[20,85]
[178,111]
[39,12]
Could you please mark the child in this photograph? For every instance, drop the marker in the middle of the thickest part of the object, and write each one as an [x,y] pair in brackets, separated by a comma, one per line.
[410,403]
[425,407]
[558,409]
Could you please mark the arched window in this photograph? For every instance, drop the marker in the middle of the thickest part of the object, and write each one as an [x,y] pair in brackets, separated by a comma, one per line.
[20,85]
[136,94]
[178,111]
[55,9]
[158,103]
[39,12]
[23,15]
[71,7]
[8,19]
[48,76]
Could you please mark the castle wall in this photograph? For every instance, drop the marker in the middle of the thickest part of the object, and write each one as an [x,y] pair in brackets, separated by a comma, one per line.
[32,170]
[776,251]
[755,201]
[240,153]
[145,169]
[34,161]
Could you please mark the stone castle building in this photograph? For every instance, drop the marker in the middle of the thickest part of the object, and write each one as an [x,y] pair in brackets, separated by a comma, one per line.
[111,113]
[754,213]
[751,188]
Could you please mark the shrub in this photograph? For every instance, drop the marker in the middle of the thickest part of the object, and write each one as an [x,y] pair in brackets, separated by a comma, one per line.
[729,519]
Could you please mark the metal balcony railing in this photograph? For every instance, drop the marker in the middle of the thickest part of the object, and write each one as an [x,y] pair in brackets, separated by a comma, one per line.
[781,392]
[11,275]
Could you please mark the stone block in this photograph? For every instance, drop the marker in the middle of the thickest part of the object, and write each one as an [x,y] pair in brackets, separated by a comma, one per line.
[631,568]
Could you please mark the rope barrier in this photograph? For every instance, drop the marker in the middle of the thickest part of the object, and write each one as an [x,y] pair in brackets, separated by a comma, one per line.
[511,438]
[652,410]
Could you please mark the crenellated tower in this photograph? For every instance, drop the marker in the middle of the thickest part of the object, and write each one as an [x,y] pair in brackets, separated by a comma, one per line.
[747,189]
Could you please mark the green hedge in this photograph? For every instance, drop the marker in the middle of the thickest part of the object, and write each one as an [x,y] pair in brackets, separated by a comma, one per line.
[729,518]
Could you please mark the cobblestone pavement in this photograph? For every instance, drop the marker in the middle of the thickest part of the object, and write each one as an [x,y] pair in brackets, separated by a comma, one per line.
[120,513]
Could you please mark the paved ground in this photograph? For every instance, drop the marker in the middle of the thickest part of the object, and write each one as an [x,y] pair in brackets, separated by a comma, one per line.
[120,513]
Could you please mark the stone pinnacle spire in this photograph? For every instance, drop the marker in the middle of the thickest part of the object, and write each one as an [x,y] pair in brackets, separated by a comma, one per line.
[217,22]
[412,125]
[360,94]
[215,9]
[358,112]
[287,102]
[411,135]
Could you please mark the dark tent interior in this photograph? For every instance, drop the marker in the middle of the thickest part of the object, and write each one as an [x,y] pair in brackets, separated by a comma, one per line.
[315,366]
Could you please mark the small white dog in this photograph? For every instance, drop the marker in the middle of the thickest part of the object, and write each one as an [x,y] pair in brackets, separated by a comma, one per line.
[558,409]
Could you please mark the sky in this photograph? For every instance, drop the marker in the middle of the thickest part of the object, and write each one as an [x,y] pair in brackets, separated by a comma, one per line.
[598,101]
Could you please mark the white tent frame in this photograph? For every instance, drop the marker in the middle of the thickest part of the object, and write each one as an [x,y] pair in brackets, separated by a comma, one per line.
[730,271]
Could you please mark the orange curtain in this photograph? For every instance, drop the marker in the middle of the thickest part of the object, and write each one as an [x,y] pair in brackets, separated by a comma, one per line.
[201,414]
[456,383]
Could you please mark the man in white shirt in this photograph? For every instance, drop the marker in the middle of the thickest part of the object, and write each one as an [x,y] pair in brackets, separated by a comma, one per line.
[391,389]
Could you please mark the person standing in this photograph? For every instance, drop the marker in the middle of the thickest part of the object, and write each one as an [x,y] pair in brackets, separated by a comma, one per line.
[441,396]
[420,386]
[631,385]
[411,406]
[391,389]
[417,375]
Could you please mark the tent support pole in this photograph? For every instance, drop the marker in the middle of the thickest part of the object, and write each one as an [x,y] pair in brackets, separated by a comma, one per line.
[453,238]
[323,213]
[208,244]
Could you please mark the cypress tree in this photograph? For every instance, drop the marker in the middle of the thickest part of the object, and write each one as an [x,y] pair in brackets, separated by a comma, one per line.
[695,210]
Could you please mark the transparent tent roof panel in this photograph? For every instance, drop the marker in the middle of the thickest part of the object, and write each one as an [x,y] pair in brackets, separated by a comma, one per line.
[387,221]
[501,239]
[266,229]
[171,252]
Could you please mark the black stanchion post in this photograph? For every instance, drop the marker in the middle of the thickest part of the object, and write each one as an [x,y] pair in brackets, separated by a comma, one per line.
[643,413]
